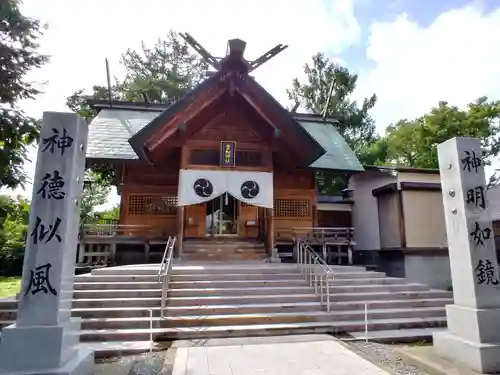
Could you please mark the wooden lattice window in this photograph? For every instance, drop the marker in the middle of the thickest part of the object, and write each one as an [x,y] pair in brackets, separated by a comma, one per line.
[248,158]
[204,157]
[152,205]
[244,205]
[292,208]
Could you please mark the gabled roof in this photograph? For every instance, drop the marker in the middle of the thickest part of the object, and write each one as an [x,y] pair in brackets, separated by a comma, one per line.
[110,130]
[207,92]
[138,139]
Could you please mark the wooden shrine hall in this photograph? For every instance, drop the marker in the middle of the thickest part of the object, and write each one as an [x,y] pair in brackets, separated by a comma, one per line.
[226,161]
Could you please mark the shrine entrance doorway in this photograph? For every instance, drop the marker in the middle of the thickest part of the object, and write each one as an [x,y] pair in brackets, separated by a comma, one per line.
[222,215]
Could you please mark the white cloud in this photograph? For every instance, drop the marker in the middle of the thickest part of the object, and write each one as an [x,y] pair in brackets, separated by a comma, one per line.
[82,33]
[454,59]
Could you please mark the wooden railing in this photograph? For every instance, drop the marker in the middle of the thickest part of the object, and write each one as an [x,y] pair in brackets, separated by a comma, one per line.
[332,236]
[114,230]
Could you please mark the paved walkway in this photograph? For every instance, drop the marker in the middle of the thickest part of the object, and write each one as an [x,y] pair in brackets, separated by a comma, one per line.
[323,356]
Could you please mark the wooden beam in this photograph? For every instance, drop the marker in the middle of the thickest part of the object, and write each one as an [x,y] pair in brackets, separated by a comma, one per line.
[184,116]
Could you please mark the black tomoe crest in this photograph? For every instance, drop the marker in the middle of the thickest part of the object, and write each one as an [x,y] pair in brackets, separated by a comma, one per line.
[203,188]
[249,189]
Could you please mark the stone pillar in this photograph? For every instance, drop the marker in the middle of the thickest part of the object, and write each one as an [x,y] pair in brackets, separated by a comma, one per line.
[44,339]
[473,335]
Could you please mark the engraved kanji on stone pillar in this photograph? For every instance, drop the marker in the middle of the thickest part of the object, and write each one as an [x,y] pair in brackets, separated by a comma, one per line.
[473,335]
[44,338]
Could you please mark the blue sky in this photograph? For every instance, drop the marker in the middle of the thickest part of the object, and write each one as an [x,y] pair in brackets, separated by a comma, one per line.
[411,53]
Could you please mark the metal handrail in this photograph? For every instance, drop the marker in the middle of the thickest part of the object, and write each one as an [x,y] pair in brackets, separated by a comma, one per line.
[309,264]
[164,272]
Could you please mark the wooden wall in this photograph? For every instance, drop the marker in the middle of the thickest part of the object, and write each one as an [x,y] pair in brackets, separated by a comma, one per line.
[294,201]
[149,197]
[156,187]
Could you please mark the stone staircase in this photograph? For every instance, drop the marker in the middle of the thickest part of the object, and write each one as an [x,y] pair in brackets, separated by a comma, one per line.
[213,300]
[220,249]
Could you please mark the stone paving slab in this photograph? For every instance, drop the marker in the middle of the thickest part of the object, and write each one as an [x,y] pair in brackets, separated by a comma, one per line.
[322,357]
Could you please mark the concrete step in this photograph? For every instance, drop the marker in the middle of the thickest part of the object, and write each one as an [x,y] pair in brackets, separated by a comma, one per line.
[257,329]
[395,335]
[236,277]
[278,282]
[257,318]
[223,250]
[263,290]
[130,312]
[358,275]
[115,278]
[222,242]
[8,304]
[122,348]
[236,283]
[389,296]
[115,302]
[241,291]
[222,257]
[8,315]
[242,300]
[189,284]
[197,277]
[387,304]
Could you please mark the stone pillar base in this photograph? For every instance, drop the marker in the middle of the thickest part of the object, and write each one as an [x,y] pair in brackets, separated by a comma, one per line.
[483,358]
[44,350]
[274,258]
[472,338]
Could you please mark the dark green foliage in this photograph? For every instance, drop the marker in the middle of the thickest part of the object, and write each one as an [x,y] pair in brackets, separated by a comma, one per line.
[414,143]
[355,124]
[18,55]
[162,74]
[14,218]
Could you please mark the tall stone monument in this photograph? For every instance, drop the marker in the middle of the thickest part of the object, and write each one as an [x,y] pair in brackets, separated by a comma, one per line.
[473,335]
[44,339]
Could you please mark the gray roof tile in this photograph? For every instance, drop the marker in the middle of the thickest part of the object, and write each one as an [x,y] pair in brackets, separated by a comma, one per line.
[338,154]
[111,129]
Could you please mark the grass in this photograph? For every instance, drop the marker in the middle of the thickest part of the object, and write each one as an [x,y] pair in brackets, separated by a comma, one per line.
[9,286]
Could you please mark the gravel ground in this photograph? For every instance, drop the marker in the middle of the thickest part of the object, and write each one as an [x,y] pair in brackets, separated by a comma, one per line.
[386,355]
[139,364]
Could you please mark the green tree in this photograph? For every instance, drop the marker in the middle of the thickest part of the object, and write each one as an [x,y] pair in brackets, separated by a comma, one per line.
[161,73]
[414,143]
[14,217]
[355,124]
[18,56]
[95,194]
[112,214]
[328,90]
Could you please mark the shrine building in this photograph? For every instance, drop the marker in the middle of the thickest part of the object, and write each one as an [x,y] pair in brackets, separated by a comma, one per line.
[226,160]
[231,173]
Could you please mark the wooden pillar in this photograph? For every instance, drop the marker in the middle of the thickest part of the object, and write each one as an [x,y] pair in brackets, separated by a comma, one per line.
[113,251]
[147,251]
[180,230]
[270,229]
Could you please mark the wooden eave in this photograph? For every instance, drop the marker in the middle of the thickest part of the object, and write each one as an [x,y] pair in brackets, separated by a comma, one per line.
[302,146]
[168,121]
[296,136]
